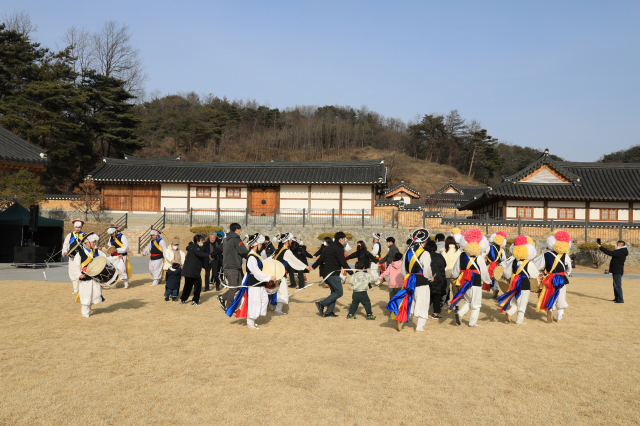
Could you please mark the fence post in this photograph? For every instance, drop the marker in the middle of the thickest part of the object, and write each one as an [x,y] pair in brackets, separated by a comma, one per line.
[455,218]
[275,212]
[304,213]
[551,226]
[393,218]
[218,211]
[519,226]
[620,233]
[126,219]
[139,242]
[164,218]
[423,221]
[191,217]
[487,224]
[586,235]
[363,219]
[333,218]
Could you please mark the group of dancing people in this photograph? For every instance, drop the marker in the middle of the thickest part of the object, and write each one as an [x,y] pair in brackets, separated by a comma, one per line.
[451,273]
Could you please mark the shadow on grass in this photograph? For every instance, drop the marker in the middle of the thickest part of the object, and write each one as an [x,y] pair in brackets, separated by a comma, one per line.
[129,304]
[587,296]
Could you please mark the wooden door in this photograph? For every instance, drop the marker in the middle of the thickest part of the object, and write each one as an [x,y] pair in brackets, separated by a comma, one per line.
[263,201]
[116,197]
[145,198]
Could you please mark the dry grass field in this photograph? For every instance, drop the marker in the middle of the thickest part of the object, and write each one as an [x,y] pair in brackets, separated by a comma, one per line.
[142,361]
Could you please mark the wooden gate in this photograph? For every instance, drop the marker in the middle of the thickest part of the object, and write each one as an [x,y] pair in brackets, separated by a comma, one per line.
[128,197]
[263,201]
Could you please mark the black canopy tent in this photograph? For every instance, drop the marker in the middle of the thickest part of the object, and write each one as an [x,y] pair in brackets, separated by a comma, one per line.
[14,223]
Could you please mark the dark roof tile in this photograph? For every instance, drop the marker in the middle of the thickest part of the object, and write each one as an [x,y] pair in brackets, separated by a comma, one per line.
[14,149]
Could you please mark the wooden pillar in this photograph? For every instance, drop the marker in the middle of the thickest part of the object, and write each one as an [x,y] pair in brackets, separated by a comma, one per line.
[340,208]
[309,199]
[188,197]
[373,197]
[102,198]
[130,197]
[218,198]
[630,211]
[504,210]
[545,210]
[587,213]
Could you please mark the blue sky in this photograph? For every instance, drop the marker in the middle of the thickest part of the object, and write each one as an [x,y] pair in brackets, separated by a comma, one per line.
[562,75]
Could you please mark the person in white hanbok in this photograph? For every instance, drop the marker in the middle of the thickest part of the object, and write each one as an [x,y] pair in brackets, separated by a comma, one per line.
[290,261]
[156,250]
[70,248]
[89,289]
[257,297]
[376,250]
[121,243]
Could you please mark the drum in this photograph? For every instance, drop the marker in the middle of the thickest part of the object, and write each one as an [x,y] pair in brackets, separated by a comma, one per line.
[535,285]
[276,269]
[103,271]
[504,285]
[497,272]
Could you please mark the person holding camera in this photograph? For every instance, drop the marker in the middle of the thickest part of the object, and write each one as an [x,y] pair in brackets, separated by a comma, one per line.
[616,267]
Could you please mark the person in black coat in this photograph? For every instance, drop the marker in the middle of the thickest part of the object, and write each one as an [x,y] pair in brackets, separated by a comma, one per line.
[326,242]
[301,253]
[616,268]
[213,247]
[191,270]
[334,261]
[439,284]
[363,255]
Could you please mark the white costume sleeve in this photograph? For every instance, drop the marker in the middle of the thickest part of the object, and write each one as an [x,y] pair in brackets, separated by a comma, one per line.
[508,269]
[163,244]
[425,261]
[293,261]
[503,256]
[532,270]
[148,249]
[403,269]
[484,271]
[455,272]
[125,245]
[65,246]
[77,261]
[539,262]
[376,249]
[567,264]
[254,269]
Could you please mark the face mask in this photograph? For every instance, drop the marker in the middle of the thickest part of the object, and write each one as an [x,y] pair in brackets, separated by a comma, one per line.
[175,247]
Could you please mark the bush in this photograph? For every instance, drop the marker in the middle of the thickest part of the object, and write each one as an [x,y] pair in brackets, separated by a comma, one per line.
[204,230]
[594,254]
[324,235]
[510,242]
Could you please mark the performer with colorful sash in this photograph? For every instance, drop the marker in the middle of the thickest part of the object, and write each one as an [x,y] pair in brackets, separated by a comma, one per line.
[495,256]
[376,250]
[415,293]
[89,289]
[118,240]
[556,265]
[520,269]
[471,271]
[70,247]
[252,300]
[289,260]
[156,250]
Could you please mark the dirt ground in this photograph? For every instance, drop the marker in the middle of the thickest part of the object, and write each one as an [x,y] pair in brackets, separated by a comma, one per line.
[141,360]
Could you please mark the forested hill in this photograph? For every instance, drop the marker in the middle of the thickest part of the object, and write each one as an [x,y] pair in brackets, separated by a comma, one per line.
[631,155]
[80,108]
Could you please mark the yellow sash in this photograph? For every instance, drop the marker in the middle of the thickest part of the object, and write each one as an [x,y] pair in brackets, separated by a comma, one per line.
[468,265]
[155,243]
[281,250]
[88,259]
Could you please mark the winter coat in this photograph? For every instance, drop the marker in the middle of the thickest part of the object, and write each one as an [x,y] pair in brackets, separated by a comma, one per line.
[364,257]
[391,255]
[394,272]
[302,254]
[217,249]
[194,261]
[233,250]
[618,257]
[451,257]
[438,267]
[333,259]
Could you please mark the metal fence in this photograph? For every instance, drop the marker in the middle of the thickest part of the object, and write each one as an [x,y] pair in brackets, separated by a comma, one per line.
[273,217]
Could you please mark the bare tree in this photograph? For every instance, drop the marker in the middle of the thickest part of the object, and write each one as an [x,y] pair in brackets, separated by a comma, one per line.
[80,43]
[19,22]
[114,56]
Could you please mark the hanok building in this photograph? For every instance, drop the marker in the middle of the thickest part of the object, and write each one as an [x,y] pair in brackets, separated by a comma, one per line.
[403,192]
[153,184]
[17,154]
[454,195]
[548,189]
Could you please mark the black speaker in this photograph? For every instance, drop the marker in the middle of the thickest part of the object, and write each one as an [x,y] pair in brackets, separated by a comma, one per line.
[29,254]
[34,211]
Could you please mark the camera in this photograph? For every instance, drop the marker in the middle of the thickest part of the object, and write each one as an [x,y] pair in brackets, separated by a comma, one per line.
[599,241]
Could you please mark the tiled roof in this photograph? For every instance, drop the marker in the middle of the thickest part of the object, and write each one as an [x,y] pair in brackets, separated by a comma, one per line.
[372,172]
[462,189]
[396,203]
[586,182]
[14,149]
[400,185]
[465,194]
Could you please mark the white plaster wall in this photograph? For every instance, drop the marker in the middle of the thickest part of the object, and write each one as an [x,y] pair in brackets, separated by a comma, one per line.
[623,214]
[356,205]
[193,192]
[450,191]
[293,204]
[607,205]
[359,192]
[511,212]
[233,203]
[525,203]
[538,213]
[566,204]
[594,214]
[243,193]
[636,215]
[636,206]
[325,204]
[294,191]
[173,190]
[173,203]
[580,214]
[203,203]
[325,191]
[552,213]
